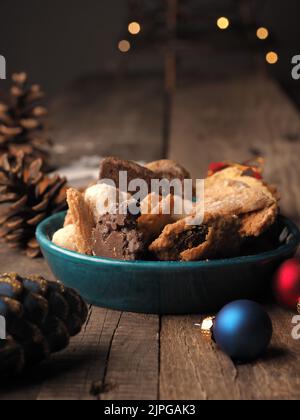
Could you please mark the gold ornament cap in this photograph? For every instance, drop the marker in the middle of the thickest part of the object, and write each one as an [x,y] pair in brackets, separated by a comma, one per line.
[207,327]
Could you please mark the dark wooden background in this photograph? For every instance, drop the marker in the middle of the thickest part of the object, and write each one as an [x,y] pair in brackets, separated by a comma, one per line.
[57,43]
[133,356]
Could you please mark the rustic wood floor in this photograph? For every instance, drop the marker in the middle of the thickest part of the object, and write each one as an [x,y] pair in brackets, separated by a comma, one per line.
[131,356]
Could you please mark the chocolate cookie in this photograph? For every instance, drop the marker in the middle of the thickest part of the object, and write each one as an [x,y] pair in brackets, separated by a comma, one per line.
[184,242]
[116,236]
[111,167]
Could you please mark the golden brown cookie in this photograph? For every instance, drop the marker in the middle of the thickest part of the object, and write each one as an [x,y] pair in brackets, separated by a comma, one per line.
[248,197]
[65,238]
[168,169]
[184,242]
[68,219]
[233,209]
[83,221]
[235,197]
[257,222]
[238,174]
[156,213]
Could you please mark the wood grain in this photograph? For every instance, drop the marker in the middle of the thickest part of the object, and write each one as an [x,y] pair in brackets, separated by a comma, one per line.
[237,119]
[277,375]
[107,117]
[15,261]
[81,368]
[192,367]
[132,370]
[115,356]
[130,356]
[73,373]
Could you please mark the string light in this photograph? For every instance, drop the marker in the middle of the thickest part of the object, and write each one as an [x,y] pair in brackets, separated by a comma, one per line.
[124,46]
[262,33]
[223,23]
[272,57]
[134,28]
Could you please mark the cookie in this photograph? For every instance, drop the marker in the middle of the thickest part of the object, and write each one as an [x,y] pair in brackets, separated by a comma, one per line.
[168,169]
[242,195]
[155,215]
[157,212]
[83,221]
[65,238]
[111,167]
[68,219]
[257,222]
[117,236]
[234,207]
[182,241]
[237,173]
[103,198]
[235,197]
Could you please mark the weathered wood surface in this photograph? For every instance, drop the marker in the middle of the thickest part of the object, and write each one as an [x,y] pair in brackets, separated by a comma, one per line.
[81,369]
[116,355]
[130,356]
[196,369]
[109,116]
[236,120]
[133,365]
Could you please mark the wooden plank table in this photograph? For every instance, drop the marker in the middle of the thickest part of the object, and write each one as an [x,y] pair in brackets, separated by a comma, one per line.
[133,356]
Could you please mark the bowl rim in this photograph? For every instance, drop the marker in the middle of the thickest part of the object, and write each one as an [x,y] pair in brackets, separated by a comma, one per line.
[282,250]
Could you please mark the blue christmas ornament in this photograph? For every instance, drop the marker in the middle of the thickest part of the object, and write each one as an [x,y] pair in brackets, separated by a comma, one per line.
[243,330]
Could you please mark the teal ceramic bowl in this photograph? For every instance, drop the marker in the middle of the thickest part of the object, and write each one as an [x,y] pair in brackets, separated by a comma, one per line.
[166,287]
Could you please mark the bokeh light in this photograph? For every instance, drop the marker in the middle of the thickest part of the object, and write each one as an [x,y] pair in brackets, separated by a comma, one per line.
[272,57]
[223,23]
[262,33]
[124,46]
[134,28]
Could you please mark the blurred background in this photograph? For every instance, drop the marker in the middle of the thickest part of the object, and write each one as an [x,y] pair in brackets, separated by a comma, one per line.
[120,74]
[58,42]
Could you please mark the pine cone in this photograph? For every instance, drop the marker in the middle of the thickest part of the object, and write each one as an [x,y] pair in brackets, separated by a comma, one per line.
[27,196]
[40,316]
[21,121]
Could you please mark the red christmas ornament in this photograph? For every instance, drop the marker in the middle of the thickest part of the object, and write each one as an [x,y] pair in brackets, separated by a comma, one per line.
[215,167]
[287,284]
[248,170]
